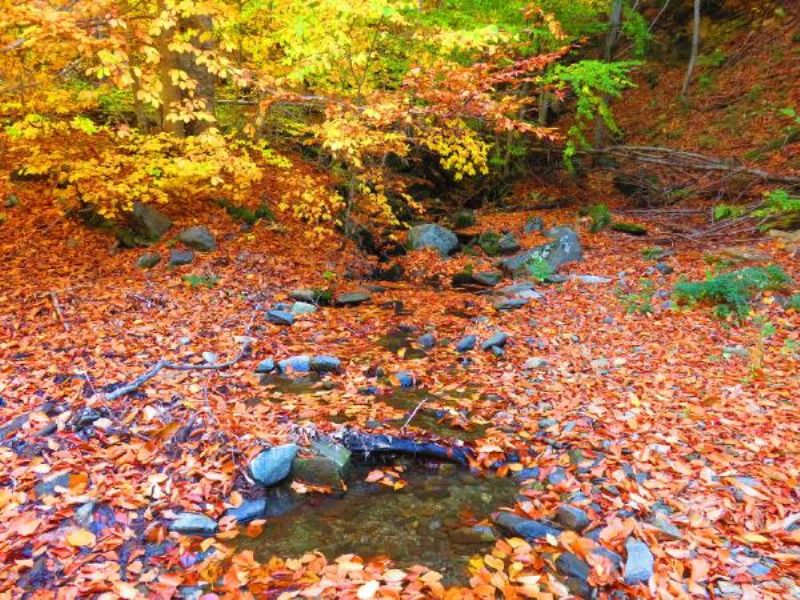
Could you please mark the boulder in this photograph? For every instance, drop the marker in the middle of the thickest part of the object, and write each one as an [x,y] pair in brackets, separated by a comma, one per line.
[272,466]
[564,248]
[432,236]
[332,450]
[190,523]
[198,238]
[148,223]
[508,244]
[148,260]
[178,257]
[639,562]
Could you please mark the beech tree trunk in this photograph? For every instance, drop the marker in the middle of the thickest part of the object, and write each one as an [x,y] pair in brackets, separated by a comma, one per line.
[615,24]
[170,92]
[695,48]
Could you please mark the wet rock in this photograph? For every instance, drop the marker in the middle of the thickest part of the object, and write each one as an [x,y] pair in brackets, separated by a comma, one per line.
[508,244]
[477,534]
[316,470]
[466,343]
[198,238]
[148,222]
[190,523]
[352,298]
[528,529]
[639,562]
[324,363]
[303,308]
[534,225]
[273,465]
[564,248]
[265,366]
[332,450]
[498,340]
[427,341]
[280,317]
[248,510]
[148,260]
[570,565]
[48,486]
[179,258]
[432,236]
[535,363]
[295,364]
[572,517]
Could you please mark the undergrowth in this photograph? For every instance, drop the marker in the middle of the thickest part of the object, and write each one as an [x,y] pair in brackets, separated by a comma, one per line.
[731,293]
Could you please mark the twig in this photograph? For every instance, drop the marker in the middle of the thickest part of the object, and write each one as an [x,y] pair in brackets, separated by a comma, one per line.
[413,413]
[163,363]
[57,307]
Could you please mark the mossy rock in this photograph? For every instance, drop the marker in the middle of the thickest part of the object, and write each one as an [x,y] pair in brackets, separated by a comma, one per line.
[629,228]
[489,242]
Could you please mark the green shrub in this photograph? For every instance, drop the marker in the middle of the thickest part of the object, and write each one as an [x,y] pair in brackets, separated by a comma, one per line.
[653,253]
[731,293]
[247,215]
[539,269]
[197,281]
[793,303]
[600,216]
[490,243]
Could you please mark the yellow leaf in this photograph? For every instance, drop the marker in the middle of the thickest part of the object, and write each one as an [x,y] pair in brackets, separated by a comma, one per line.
[80,538]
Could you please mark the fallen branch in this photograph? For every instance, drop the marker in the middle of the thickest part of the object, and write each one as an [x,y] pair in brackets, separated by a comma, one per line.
[57,308]
[169,365]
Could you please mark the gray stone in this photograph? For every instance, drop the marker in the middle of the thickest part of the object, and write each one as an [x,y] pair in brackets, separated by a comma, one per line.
[510,303]
[299,364]
[498,340]
[516,288]
[48,486]
[148,222]
[535,363]
[198,238]
[179,258]
[324,363]
[190,523]
[534,225]
[432,236]
[570,565]
[487,278]
[148,260]
[303,295]
[529,529]
[667,527]
[508,244]
[572,517]
[466,343]
[352,298]
[273,465]
[248,510]
[530,295]
[639,562]
[564,248]
[664,268]
[405,379]
[265,366]
[280,317]
[427,341]
[303,308]
[592,279]
[557,476]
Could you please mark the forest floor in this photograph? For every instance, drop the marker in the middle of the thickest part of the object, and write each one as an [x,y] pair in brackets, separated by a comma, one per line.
[671,427]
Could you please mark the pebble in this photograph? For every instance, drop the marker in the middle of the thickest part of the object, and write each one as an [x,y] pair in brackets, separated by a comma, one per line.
[427,341]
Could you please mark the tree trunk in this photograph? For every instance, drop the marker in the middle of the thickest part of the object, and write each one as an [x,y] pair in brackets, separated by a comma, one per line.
[615,24]
[695,49]
[170,92]
[206,82]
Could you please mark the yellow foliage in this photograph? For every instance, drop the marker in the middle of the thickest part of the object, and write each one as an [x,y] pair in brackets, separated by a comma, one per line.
[460,149]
